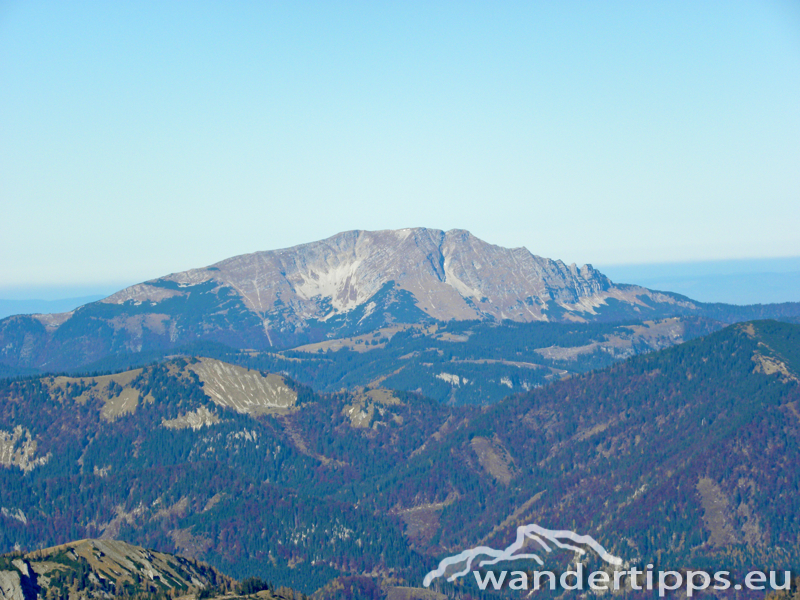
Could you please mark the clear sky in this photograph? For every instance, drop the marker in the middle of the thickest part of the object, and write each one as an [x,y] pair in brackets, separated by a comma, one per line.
[142,138]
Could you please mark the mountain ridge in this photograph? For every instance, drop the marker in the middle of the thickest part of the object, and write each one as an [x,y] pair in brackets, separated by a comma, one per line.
[352,266]
[352,283]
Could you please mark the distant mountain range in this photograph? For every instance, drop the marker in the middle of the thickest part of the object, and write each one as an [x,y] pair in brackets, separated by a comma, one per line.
[352,283]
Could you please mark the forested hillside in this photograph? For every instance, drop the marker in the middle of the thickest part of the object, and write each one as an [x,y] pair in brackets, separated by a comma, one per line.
[687,456]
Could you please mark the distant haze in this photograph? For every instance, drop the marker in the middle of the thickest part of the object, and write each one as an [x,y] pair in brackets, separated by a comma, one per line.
[33,306]
[731,281]
[21,300]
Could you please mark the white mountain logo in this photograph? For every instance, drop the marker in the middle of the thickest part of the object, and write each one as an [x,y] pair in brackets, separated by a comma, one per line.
[534,532]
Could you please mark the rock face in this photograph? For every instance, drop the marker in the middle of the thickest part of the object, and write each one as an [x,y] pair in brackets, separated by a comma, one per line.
[243,390]
[351,283]
[10,586]
[17,449]
[451,275]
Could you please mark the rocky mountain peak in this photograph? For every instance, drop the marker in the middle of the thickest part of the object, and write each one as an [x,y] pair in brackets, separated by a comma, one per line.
[450,274]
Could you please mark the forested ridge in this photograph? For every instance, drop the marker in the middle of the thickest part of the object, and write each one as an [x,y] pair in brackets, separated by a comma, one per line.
[687,457]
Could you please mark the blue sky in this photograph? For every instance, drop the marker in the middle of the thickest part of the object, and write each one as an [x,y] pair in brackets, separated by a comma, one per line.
[142,138]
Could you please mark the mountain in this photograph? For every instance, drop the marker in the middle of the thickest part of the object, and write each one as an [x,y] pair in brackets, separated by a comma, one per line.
[88,569]
[210,460]
[430,273]
[350,284]
[102,569]
[686,457]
